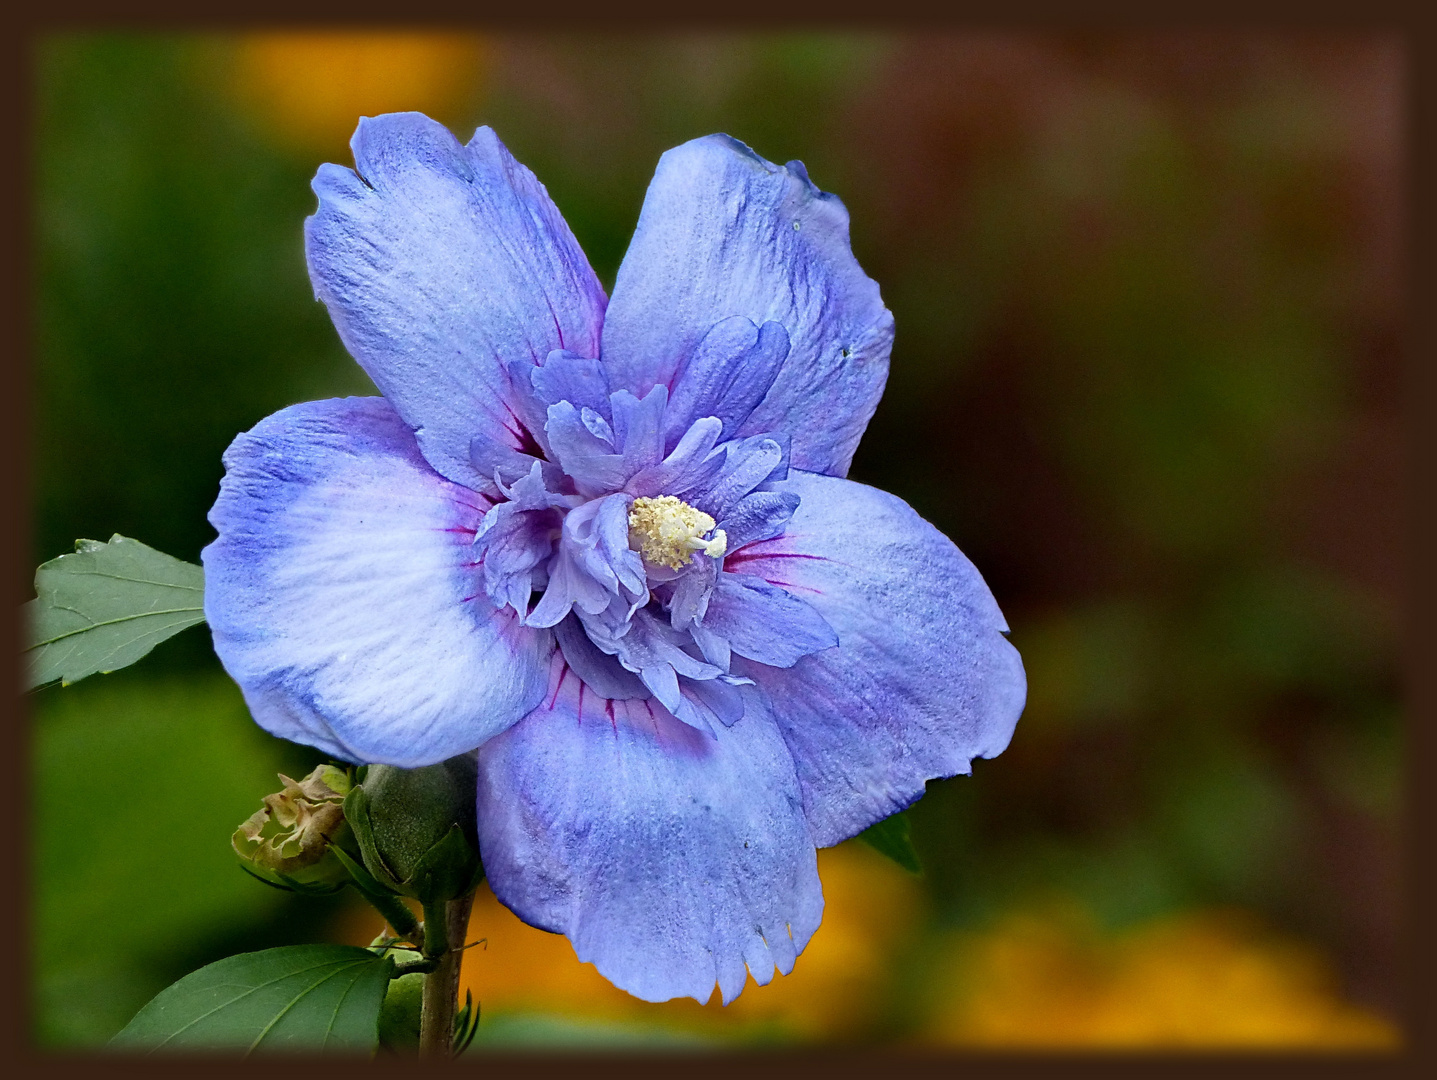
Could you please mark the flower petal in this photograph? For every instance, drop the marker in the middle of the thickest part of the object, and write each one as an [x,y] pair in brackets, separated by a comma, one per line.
[576,379]
[440,264]
[669,858]
[514,547]
[688,597]
[595,568]
[650,648]
[922,680]
[601,672]
[747,464]
[568,586]
[585,457]
[726,376]
[603,549]
[764,622]
[758,516]
[343,598]
[692,463]
[724,233]
[639,426]
[499,461]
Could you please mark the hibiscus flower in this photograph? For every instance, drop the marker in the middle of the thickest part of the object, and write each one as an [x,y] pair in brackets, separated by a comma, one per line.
[607,546]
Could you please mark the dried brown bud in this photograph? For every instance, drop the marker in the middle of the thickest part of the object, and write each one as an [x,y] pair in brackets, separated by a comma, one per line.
[286,842]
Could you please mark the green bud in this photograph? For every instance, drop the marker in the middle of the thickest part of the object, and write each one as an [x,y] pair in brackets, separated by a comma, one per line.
[287,842]
[415,828]
[400,1014]
[403,1006]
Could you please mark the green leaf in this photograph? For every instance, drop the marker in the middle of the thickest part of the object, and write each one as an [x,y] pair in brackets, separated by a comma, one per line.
[105,606]
[299,997]
[893,836]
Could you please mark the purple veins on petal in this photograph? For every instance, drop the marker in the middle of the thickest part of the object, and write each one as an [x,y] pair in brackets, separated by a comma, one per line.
[604,674]
[573,814]
[526,413]
[766,623]
[651,649]
[340,592]
[498,462]
[923,679]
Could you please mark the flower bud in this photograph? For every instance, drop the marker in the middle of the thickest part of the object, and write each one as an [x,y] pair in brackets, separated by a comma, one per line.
[400,1015]
[287,843]
[416,828]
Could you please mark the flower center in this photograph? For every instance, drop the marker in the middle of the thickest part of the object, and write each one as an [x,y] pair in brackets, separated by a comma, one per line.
[667,531]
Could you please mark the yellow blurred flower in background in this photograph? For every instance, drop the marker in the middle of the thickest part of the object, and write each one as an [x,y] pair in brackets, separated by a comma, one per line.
[1198,980]
[1045,978]
[309,88]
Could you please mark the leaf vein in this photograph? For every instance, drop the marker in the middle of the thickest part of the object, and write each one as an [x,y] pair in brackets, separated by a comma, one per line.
[240,997]
[296,1000]
[114,622]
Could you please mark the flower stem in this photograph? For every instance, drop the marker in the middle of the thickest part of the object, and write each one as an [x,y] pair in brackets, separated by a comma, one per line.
[396,914]
[444,928]
[394,910]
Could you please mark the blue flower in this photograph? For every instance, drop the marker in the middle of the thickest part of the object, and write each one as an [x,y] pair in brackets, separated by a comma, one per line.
[609,544]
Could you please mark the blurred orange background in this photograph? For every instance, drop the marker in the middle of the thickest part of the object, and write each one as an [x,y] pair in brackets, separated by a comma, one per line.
[1045,978]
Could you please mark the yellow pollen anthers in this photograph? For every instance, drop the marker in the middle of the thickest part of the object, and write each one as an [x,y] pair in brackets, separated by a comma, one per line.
[666,531]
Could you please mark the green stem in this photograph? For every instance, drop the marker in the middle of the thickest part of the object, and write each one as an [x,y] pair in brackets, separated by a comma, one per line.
[420,966]
[444,928]
[396,913]
[394,910]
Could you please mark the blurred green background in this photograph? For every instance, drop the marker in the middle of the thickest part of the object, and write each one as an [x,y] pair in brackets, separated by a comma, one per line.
[1147,375]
